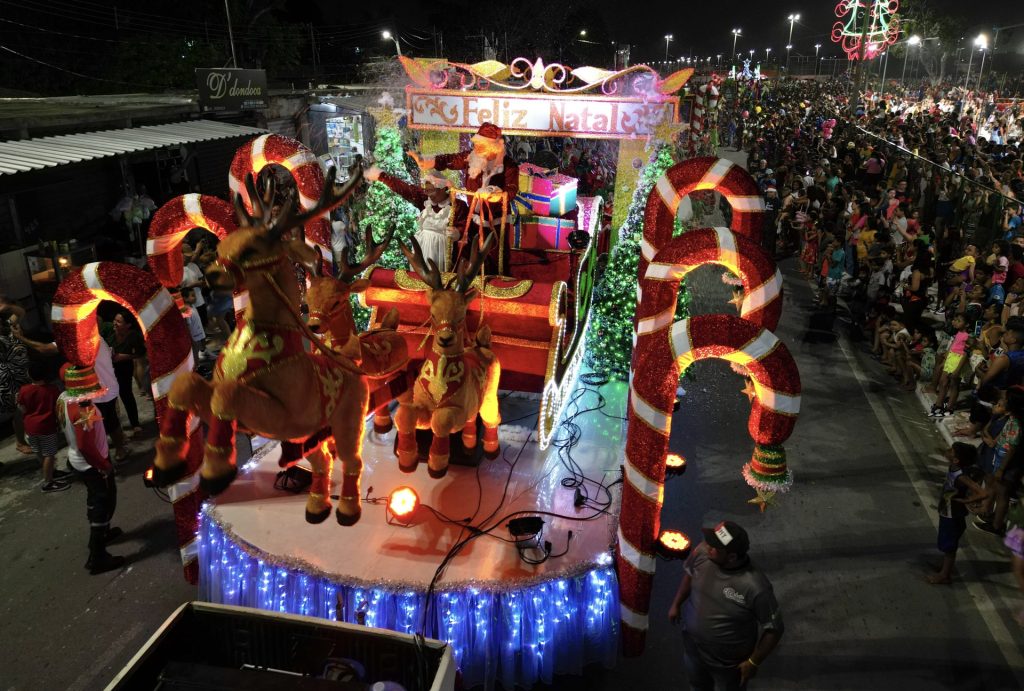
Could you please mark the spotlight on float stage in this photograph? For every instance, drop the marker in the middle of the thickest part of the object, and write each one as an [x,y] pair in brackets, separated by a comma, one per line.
[673,544]
[147,477]
[403,505]
[674,465]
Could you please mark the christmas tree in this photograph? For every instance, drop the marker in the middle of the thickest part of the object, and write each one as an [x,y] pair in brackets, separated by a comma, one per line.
[610,343]
[386,210]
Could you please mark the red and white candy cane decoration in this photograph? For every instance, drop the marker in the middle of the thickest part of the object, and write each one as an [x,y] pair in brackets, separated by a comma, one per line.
[705,173]
[297,159]
[668,351]
[761,280]
[169,346]
[705,107]
[173,221]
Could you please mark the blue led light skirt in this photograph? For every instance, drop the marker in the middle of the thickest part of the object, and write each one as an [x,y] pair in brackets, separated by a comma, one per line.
[519,635]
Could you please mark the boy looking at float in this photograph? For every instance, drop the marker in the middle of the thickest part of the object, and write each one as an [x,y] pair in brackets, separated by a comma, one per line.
[88,454]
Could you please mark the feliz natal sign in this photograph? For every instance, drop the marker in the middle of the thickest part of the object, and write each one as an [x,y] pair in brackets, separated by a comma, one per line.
[539,114]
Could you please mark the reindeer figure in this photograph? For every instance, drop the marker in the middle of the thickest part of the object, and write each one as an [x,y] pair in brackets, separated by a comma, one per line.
[382,351]
[264,380]
[455,382]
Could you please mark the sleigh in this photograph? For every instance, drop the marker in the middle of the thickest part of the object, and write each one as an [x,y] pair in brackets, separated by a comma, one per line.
[538,315]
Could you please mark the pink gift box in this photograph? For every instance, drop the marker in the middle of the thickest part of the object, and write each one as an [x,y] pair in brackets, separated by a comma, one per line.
[546,192]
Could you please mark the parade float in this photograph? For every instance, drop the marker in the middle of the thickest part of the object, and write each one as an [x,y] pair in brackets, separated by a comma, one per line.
[500,517]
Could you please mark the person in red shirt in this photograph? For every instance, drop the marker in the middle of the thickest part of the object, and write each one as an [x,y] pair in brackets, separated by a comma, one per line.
[37,402]
[89,455]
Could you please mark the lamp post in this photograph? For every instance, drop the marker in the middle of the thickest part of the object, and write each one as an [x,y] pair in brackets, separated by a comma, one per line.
[735,34]
[718,61]
[668,39]
[789,47]
[387,35]
[983,46]
[817,47]
[767,52]
[912,41]
[979,42]
[793,18]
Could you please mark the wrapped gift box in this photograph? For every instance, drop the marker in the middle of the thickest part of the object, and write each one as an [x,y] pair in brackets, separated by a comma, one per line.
[545,192]
[542,233]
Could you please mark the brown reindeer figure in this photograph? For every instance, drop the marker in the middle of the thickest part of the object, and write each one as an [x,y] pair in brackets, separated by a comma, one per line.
[382,351]
[455,382]
[264,380]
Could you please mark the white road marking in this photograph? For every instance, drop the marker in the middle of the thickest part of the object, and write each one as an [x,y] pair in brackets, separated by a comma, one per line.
[925,494]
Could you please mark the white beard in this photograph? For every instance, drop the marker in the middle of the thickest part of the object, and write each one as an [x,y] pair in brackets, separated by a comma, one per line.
[480,166]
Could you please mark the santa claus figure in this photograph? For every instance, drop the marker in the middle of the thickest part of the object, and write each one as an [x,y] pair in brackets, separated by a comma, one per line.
[440,219]
[490,174]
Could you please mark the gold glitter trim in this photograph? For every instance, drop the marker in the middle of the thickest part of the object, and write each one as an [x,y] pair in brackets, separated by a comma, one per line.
[406,282]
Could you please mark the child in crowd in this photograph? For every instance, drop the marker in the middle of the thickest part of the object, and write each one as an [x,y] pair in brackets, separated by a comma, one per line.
[89,455]
[960,488]
[961,273]
[1015,543]
[37,402]
[949,382]
[918,358]
[195,327]
[1006,463]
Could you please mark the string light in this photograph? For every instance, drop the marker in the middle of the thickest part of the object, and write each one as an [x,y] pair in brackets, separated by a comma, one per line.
[513,637]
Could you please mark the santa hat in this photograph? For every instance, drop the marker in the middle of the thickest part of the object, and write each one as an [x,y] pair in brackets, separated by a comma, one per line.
[771,189]
[435,179]
[81,383]
[488,130]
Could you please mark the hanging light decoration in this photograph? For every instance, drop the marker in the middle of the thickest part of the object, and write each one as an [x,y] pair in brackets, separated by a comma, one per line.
[873,23]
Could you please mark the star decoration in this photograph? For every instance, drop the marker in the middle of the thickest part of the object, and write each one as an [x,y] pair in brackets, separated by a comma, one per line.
[763,499]
[666,132]
[737,299]
[87,417]
[749,389]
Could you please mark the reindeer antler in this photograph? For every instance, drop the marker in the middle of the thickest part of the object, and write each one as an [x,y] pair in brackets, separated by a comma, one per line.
[467,271]
[426,268]
[261,206]
[333,195]
[373,252]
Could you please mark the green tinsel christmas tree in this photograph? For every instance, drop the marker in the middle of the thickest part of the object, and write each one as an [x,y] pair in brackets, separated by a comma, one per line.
[610,342]
[386,210]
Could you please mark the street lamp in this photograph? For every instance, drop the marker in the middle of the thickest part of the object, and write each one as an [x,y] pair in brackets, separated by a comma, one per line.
[767,52]
[982,43]
[793,18]
[735,34]
[914,40]
[387,35]
[583,33]
[668,39]
[718,60]
[789,47]
[817,47]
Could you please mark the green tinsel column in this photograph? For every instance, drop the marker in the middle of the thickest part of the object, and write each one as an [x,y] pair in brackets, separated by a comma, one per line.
[610,341]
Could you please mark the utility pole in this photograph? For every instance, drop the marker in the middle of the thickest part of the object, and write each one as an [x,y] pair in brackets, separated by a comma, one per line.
[231,35]
[312,43]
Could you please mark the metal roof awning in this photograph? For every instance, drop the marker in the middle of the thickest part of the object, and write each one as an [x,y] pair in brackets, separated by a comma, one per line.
[49,152]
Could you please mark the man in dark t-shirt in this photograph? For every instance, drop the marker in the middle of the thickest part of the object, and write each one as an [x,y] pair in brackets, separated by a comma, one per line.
[731,620]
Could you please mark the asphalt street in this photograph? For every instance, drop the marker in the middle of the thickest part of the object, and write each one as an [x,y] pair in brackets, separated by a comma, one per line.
[846,550]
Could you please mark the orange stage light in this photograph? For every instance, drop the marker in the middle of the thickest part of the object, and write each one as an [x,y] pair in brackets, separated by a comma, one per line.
[673,544]
[675,464]
[403,502]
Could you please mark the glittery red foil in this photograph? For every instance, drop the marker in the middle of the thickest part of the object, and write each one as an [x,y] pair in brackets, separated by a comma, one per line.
[218,217]
[309,180]
[633,640]
[698,247]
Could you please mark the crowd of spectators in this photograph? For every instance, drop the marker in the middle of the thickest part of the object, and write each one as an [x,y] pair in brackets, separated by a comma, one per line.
[905,211]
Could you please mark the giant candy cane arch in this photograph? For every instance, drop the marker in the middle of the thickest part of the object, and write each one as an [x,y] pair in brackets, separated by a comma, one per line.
[170,354]
[761,280]
[173,221]
[665,348]
[297,159]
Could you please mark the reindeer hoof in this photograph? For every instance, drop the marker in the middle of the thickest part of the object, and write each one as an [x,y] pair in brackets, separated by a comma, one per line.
[409,467]
[491,454]
[215,485]
[437,474]
[346,520]
[383,427]
[162,477]
[318,517]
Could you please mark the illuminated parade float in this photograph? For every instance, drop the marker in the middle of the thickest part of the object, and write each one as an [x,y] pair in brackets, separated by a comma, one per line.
[487,490]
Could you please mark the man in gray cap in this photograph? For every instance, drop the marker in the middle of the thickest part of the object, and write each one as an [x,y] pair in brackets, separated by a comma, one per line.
[731,620]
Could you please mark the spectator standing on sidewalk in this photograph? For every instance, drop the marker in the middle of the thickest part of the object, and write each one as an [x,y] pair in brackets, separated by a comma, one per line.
[13,374]
[126,345]
[88,454]
[37,401]
[731,620]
